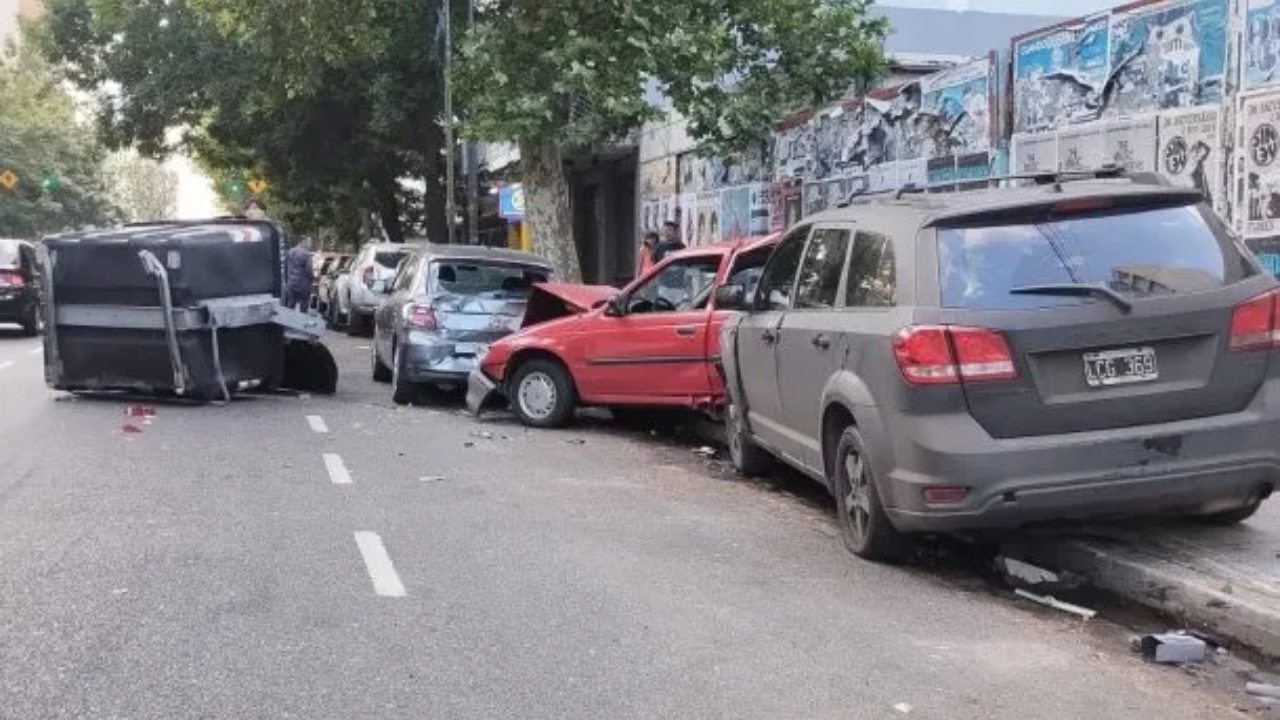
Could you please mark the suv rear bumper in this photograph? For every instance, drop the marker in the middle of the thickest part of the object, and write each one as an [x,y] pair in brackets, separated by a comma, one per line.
[1189,467]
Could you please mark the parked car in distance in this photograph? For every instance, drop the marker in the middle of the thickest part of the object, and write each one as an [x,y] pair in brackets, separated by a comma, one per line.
[324,285]
[654,344]
[1093,348]
[373,267]
[446,303]
[19,290]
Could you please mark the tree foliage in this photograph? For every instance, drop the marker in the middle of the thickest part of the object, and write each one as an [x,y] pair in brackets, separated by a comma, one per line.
[143,189]
[570,75]
[332,102]
[55,157]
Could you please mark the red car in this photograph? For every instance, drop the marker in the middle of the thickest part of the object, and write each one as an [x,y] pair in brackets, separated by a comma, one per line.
[655,343]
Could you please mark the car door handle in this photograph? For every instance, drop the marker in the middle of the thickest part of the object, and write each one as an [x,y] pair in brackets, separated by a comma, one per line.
[686,331]
[822,342]
[769,337]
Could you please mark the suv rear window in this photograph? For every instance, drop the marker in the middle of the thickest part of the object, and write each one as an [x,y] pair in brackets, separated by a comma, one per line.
[389,260]
[1136,253]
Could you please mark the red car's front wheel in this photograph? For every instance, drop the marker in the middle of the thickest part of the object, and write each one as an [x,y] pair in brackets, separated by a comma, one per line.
[542,394]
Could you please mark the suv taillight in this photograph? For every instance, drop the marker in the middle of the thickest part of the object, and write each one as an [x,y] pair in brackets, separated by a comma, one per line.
[945,354]
[367,276]
[420,317]
[11,279]
[1256,323]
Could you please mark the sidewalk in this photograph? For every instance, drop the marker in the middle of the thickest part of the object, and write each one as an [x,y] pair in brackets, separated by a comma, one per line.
[1223,579]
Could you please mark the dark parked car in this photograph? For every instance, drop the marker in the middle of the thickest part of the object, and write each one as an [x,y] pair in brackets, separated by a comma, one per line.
[446,304]
[19,293]
[1077,349]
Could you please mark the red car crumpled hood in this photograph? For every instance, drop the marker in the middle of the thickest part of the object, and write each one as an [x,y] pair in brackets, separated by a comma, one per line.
[549,301]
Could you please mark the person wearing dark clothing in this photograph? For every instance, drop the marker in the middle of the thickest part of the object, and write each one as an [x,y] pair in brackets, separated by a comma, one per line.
[297,276]
[669,242]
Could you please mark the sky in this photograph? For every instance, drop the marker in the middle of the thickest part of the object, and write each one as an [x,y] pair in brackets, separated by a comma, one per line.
[1070,8]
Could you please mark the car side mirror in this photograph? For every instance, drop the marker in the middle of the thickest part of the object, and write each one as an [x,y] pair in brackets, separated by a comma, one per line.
[614,308]
[731,297]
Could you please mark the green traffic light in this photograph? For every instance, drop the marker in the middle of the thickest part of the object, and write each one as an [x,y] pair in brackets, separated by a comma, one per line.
[236,188]
[49,183]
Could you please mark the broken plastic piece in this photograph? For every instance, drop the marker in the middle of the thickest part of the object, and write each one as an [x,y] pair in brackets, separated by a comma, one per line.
[1174,648]
[1023,574]
[1057,604]
[140,411]
[705,451]
[128,429]
[1263,690]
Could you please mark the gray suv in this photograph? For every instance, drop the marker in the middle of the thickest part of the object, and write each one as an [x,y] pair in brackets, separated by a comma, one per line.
[1093,348]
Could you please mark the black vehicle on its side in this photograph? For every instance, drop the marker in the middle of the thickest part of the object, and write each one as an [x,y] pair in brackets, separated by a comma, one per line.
[19,293]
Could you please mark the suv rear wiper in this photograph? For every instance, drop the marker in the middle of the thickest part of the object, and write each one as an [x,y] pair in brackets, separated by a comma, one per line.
[1074,290]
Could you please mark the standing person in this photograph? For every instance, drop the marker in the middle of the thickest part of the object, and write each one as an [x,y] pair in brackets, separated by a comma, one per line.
[297,276]
[255,210]
[668,242]
[647,246]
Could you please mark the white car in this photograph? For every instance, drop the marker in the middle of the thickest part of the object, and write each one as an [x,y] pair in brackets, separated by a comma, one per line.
[359,295]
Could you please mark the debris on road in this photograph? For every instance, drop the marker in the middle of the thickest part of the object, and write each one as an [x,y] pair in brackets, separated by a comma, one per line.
[705,451]
[903,708]
[576,441]
[482,435]
[1018,573]
[140,411]
[1173,648]
[1056,604]
[468,444]
[1263,690]
[431,478]
[130,429]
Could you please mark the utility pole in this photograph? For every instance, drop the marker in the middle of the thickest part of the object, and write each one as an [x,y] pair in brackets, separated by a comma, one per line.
[472,162]
[451,199]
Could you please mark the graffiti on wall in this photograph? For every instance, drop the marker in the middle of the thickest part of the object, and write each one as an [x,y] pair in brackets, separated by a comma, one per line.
[658,200]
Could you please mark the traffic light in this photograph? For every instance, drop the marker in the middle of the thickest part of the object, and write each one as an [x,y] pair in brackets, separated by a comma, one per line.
[50,182]
[236,187]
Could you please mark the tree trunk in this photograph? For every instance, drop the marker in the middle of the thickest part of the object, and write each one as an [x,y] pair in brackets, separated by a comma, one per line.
[547,208]
[389,210]
[434,202]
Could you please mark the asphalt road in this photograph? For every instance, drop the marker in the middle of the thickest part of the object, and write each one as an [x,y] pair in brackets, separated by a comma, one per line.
[236,562]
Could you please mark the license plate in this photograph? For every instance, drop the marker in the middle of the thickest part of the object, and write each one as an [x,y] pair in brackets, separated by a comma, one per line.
[1120,367]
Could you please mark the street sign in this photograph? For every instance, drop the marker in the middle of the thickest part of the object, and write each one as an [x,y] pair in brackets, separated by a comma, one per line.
[8,180]
[511,202]
[258,186]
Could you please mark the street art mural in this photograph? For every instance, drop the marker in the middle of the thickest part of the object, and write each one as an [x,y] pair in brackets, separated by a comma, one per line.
[785,204]
[658,199]
[1261,52]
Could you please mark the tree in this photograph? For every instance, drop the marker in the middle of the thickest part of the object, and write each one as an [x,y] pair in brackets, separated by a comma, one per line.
[331,102]
[565,76]
[53,156]
[143,189]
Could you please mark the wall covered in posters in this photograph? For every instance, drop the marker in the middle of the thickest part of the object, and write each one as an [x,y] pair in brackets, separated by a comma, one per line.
[1260,64]
[1260,123]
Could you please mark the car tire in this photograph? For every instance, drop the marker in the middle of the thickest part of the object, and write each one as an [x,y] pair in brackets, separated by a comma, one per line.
[747,457]
[31,324]
[357,324]
[543,394]
[381,373]
[403,392]
[864,526]
[1231,517]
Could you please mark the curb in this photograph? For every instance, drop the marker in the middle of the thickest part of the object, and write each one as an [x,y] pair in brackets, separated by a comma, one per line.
[1200,601]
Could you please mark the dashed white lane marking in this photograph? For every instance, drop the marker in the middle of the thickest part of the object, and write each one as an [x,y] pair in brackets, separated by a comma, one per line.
[386,581]
[6,365]
[317,424]
[338,474]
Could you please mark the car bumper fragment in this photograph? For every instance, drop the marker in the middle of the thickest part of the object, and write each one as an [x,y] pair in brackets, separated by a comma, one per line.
[482,392]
